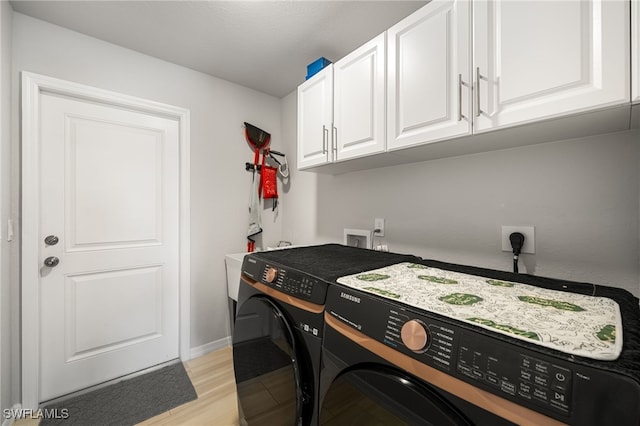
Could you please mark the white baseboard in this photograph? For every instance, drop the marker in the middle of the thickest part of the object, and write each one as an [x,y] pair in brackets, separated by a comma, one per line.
[209,347]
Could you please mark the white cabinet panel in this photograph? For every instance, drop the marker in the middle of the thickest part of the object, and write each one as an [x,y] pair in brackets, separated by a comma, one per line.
[536,60]
[428,71]
[359,109]
[129,201]
[91,328]
[315,115]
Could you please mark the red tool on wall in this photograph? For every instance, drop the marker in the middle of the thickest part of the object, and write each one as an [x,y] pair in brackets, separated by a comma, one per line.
[265,182]
[259,140]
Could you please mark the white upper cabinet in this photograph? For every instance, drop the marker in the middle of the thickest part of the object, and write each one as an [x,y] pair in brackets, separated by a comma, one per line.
[315,116]
[635,51]
[359,95]
[542,59]
[458,67]
[341,110]
[429,75]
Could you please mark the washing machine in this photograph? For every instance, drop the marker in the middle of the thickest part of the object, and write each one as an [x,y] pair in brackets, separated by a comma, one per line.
[279,327]
[387,362]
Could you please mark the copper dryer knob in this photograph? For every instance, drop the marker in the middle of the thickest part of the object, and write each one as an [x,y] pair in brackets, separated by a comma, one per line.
[272,274]
[415,335]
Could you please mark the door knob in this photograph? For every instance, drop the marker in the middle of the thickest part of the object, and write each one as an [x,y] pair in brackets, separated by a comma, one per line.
[51,261]
[51,240]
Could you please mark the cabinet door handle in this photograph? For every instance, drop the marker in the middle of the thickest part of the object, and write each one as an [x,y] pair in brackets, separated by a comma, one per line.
[478,110]
[334,140]
[325,138]
[460,84]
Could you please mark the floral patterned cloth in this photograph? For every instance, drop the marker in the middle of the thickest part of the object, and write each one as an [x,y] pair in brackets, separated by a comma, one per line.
[572,323]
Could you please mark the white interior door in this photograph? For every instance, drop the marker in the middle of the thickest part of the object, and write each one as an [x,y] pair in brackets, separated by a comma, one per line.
[109,191]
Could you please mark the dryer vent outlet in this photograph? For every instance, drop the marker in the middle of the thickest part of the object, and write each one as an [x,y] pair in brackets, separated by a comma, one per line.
[360,238]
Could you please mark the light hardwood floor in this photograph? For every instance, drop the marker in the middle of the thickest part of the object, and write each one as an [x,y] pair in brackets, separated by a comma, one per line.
[213,379]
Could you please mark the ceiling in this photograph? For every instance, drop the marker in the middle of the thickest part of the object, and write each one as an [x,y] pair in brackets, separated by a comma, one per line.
[264,45]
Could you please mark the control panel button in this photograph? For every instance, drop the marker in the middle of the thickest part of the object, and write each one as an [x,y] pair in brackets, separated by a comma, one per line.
[414,335]
[271,275]
[508,387]
[525,375]
[541,367]
[560,379]
[493,380]
[525,390]
[541,380]
[559,401]
[541,393]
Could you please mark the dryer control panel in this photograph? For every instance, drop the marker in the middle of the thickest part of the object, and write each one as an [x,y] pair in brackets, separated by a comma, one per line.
[574,393]
[285,280]
[513,373]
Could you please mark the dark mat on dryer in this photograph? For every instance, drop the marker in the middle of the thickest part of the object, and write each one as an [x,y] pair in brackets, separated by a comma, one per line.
[332,261]
[629,361]
[127,402]
[257,357]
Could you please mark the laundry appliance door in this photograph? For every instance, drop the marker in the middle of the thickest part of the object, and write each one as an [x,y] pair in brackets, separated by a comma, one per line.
[269,367]
[379,395]
[358,387]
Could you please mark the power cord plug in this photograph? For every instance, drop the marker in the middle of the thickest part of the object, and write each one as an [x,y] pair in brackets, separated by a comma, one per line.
[380,245]
[517,241]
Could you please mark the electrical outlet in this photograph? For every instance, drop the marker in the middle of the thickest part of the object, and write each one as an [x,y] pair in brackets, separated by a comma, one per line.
[378,223]
[529,238]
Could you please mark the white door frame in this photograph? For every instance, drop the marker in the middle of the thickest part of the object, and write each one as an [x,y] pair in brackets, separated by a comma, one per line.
[33,85]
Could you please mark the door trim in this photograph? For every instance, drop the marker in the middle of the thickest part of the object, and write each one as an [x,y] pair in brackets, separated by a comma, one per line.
[33,85]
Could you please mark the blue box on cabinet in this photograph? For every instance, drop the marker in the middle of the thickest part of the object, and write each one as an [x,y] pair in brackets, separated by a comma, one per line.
[316,66]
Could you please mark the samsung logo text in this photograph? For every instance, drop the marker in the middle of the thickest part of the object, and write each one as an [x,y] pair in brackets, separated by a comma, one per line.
[350,297]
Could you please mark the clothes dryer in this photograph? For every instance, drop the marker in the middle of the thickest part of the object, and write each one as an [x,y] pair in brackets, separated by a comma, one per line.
[387,362]
[277,338]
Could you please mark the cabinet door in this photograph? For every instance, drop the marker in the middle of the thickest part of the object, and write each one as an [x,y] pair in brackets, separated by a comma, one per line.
[539,59]
[428,71]
[359,109]
[315,111]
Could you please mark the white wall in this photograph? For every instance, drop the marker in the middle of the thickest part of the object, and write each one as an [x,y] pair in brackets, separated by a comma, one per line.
[6,17]
[581,195]
[219,182]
